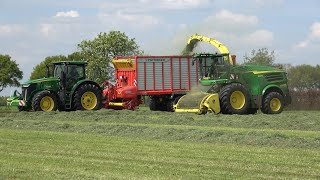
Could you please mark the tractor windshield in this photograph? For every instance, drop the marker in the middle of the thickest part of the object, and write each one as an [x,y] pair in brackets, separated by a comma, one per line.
[57,70]
[213,66]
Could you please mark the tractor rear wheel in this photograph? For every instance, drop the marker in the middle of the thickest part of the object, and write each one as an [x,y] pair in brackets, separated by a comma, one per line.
[234,99]
[272,103]
[45,101]
[87,97]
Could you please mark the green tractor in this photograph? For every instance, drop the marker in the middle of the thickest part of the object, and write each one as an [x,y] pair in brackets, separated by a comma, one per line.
[66,89]
[233,89]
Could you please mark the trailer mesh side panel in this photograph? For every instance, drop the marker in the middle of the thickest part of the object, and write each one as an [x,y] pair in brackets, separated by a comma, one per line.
[167,77]
[175,73]
[155,73]
[149,76]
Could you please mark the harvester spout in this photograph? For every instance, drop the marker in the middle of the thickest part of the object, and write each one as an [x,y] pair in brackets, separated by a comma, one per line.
[191,103]
[221,47]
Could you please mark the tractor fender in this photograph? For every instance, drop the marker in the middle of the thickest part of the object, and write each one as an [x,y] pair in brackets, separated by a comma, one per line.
[271,87]
[80,83]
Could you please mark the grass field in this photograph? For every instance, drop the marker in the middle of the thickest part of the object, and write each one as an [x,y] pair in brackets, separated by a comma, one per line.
[109,144]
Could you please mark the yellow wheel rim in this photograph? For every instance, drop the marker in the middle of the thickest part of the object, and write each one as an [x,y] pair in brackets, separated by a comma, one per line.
[237,100]
[47,103]
[275,104]
[89,100]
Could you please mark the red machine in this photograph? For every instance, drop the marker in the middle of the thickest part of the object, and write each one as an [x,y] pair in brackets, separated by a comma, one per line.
[162,78]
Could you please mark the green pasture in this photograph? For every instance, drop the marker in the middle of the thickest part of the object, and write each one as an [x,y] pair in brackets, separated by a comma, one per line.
[108,144]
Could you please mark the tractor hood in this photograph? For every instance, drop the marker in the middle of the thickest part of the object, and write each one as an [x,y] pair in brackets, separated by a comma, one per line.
[258,69]
[36,81]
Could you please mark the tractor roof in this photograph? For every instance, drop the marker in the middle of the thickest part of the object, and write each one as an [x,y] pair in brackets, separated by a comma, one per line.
[71,62]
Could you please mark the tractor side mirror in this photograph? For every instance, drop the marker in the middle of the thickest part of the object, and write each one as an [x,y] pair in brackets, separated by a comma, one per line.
[63,79]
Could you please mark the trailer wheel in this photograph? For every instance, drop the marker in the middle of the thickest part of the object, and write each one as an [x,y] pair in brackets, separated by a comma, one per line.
[234,99]
[171,103]
[44,101]
[153,104]
[87,97]
[272,103]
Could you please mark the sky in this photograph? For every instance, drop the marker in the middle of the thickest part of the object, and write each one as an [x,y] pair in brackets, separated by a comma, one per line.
[31,30]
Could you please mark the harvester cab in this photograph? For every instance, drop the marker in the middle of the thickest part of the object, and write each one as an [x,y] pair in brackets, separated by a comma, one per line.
[211,66]
[65,87]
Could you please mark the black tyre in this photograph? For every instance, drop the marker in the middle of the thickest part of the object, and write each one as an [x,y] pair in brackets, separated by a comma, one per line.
[272,103]
[45,101]
[87,97]
[171,103]
[234,99]
[252,111]
[154,104]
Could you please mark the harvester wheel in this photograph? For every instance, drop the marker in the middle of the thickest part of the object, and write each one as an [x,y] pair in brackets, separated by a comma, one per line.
[87,97]
[234,99]
[272,103]
[44,101]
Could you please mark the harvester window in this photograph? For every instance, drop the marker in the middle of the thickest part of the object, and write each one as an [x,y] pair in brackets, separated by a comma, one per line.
[212,67]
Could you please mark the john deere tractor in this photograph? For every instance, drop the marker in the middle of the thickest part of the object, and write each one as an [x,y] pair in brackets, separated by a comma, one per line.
[232,89]
[65,88]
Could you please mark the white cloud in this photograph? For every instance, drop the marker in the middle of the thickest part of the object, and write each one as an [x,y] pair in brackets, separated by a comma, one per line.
[229,17]
[260,38]
[268,2]
[315,30]
[303,44]
[312,39]
[9,29]
[183,4]
[134,20]
[143,6]
[45,29]
[72,14]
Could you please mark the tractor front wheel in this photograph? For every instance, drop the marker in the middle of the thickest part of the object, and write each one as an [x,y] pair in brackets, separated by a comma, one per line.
[272,103]
[88,97]
[234,99]
[44,101]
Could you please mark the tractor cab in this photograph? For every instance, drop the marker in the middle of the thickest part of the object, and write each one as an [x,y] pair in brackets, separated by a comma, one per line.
[69,72]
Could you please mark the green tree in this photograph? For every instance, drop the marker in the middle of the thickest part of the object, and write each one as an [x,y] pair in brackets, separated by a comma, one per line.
[10,74]
[100,51]
[260,57]
[39,71]
[304,76]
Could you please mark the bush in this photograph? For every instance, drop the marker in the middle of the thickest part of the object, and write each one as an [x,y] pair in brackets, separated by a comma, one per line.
[3,100]
[306,99]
